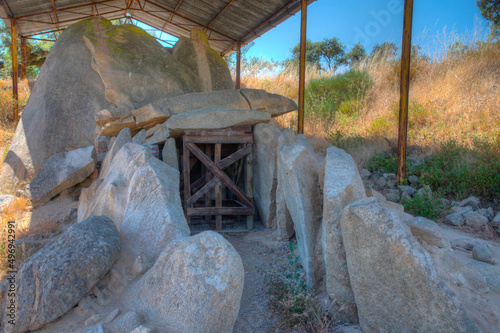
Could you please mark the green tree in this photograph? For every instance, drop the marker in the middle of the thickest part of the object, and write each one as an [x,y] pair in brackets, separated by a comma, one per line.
[356,54]
[384,51]
[490,10]
[332,51]
[313,53]
[36,53]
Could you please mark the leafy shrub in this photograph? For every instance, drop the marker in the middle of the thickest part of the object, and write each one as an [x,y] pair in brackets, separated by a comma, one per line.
[340,93]
[429,206]
[295,305]
[454,169]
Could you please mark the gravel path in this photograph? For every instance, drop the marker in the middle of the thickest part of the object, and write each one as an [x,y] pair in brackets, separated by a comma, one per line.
[255,315]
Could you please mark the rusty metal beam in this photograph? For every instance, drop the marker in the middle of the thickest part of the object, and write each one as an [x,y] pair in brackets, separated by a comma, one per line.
[23,59]
[55,13]
[15,89]
[302,67]
[64,8]
[222,11]
[162,19]
[238,66]
[171,15]
[404,91]
[42,39]
[42,33]
[242,39]
[7,8]
[190,20]
[70,20]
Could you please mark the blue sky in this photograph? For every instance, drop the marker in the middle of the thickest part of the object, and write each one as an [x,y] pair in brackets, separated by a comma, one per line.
[370,22]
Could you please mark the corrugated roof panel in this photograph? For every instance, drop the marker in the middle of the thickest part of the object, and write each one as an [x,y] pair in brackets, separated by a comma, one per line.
[227,21]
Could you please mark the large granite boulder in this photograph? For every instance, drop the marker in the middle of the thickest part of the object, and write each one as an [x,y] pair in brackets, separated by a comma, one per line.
[302,194]
[62,171]
[196,54]
[195,286]
[93,66]
[140,194]
[265,172]
[53,281]
[395,284]
[342,186]
[153,216]
[123,138]
[208,118]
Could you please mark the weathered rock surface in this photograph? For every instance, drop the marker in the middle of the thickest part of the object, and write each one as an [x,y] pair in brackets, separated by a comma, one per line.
[53,281]
[62,171]
[426,230]
[153,216]
[208,118]
[275,104]
[303,198]
[123,137]
[86,196]
[140,194]
[196,54]
[93,66]
[198,283]
[284,223]
[169,154]
[342,186]
[396,287]
[265,172]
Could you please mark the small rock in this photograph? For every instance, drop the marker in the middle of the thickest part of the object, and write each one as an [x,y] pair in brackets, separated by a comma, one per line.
[94,319]
[140,137]
[375,194]
[415,160]
[429,231]
[21,193]
[461,210]
[94,329]
[142,329]
[126,323]
[392,195]
[470,201]
[391,179]
[5,201]
[445,202]
[455,219]
[141,265]
[425,191]
[474,219]
[413,180]
[405,196]
[495,223]
[487,212]
[381,182]
[482,253]
[109,318]
[365,174]
[376,175]
[463,243]
[407,189]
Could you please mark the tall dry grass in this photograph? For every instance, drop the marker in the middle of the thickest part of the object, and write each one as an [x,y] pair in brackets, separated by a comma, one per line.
[452,97]
[7,126]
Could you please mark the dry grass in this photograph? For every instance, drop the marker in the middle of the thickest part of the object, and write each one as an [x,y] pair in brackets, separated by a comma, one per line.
[7,127]
[451,98]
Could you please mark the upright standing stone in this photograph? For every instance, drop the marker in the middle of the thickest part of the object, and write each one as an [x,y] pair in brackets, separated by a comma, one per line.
[342,186]
[284,223]
[265,172]
[395,284]
[303,199]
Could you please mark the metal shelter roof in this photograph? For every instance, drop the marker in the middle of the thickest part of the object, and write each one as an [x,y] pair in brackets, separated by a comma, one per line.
[226,22]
